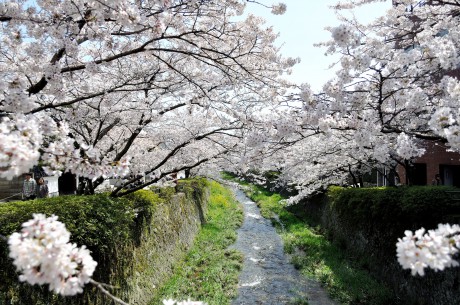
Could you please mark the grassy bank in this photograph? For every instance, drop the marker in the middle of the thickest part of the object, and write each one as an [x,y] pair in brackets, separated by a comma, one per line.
[209,272]
[316,257]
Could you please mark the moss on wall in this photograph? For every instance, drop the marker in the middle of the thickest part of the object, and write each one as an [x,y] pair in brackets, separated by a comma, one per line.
[135,240]
[170,234]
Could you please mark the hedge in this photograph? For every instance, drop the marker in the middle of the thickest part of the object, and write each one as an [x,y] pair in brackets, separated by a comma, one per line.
[111,228]
[410,207]
[367,222]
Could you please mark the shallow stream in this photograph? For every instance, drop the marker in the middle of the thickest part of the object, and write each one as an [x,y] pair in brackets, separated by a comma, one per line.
[267,277]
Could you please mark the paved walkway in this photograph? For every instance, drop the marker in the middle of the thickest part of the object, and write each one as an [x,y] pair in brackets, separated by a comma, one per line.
[267,277]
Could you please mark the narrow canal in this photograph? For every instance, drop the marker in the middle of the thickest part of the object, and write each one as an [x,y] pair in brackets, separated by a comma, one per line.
[267,277]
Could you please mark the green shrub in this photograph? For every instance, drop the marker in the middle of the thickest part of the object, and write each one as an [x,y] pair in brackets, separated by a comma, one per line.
[103,224]
[413,206]
[365,223]
[111,228]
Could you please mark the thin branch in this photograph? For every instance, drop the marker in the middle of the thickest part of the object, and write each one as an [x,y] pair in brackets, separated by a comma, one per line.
[106,292]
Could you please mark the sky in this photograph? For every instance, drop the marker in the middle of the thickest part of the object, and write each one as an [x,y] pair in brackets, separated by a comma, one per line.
[302,26]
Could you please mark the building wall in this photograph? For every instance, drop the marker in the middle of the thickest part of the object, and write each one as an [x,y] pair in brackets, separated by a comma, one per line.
[10,188]
[436,158]
[53,185]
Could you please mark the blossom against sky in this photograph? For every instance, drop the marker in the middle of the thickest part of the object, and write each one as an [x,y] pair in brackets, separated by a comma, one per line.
[302,25]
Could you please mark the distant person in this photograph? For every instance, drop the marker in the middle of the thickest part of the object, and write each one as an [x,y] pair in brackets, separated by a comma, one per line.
[437,180]
[42,190]
[29,187]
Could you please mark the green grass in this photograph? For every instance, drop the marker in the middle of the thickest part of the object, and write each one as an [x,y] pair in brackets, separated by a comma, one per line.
[317,257]
[231,177]
[210,271]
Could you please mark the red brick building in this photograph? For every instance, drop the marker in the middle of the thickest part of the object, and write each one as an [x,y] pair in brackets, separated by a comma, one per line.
[436,160]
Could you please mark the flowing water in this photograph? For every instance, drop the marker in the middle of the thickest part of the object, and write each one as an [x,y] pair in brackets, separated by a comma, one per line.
[267,277]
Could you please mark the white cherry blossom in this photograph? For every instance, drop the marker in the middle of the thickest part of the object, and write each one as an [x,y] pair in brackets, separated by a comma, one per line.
[43,254]
[433,249]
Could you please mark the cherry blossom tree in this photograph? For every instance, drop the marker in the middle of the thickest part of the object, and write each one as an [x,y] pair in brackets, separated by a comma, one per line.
[111,88]
[397,77]
[94,87]
[397,86]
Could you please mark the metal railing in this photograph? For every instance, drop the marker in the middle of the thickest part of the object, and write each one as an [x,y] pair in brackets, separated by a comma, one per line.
[14,195]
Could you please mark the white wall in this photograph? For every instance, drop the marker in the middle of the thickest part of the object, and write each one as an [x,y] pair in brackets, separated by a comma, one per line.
[53,185]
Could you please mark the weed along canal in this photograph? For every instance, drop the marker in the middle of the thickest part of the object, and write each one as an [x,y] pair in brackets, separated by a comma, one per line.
[267,277]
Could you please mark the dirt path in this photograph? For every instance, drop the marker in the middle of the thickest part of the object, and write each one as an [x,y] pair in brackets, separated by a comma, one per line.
[267,277]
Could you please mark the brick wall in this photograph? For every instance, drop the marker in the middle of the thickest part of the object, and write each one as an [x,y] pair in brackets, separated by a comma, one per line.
[435,157]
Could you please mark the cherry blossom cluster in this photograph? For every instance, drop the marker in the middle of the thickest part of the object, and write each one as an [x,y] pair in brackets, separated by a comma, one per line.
[23,136]
[188,302]
[433,249]
[255,139]
[343,35]
[406,148]
[20,140]
[90,165]
[43,254]
[279,9]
